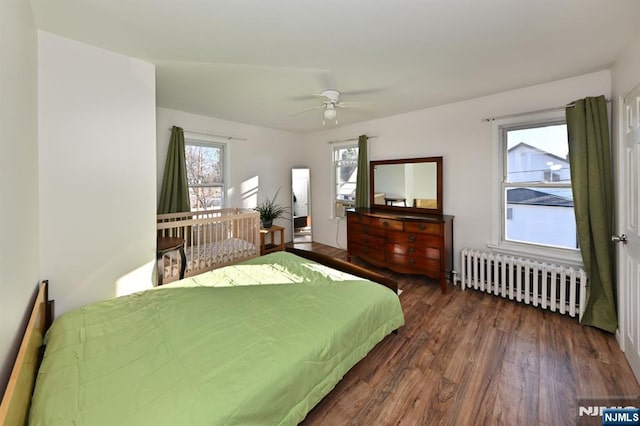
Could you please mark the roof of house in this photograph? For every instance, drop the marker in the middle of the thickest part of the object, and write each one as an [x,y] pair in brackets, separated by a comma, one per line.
[530,196]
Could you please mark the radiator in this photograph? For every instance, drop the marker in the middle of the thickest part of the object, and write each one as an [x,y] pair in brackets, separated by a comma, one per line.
[548,286]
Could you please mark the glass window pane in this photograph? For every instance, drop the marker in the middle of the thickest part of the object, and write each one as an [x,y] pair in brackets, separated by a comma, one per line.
[346,154]
[346,183]
[541,216]
[346,166]
[538,154]
[205,198]
[204,164]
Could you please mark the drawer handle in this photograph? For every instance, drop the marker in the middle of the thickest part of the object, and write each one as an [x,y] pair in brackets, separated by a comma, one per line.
[412,261]
[365,241]
[385,223]
[412,237]
[365,230]
[422,226]
[411,250]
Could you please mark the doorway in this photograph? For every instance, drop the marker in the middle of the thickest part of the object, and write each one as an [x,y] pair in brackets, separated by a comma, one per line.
[301,205]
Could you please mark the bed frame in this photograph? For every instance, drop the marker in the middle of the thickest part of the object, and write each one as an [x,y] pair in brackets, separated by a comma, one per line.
[213,238]
[347,267]
[14,409]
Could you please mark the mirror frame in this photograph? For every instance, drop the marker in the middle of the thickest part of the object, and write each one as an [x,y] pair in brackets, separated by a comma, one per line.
[399,209]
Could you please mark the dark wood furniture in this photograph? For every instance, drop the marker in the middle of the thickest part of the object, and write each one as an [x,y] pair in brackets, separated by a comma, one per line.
[408,243]
[166,245]
[343,266]
[271,246]
[388,201]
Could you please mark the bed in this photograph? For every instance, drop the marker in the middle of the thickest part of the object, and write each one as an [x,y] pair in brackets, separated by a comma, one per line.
[260,342]
[213,238]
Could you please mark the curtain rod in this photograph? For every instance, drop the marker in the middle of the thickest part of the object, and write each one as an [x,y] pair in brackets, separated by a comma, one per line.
[212,134]
[350,140]
[571,105]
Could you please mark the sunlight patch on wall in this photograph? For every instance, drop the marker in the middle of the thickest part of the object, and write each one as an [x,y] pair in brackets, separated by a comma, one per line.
[249,192]
[137,280]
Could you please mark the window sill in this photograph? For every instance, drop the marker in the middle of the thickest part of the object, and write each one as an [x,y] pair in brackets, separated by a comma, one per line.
[544,254]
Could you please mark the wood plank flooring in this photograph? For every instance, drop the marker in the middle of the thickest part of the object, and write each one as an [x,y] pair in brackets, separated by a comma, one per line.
[469,358]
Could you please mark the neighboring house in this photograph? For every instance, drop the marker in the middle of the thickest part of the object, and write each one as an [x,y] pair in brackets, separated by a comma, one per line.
[549,217]
[539,215]
[530,164]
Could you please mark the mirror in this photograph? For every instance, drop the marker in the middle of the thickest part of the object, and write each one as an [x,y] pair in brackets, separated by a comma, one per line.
[408,184]
[301,205]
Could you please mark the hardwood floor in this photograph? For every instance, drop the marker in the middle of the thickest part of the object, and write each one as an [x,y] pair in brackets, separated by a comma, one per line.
[468,358]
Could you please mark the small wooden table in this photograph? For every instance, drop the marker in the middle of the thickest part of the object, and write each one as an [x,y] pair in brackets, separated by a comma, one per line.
[166,245]
[388,201]
[271,246]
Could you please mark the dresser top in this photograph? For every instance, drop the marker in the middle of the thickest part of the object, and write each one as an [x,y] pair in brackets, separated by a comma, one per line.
[400,215]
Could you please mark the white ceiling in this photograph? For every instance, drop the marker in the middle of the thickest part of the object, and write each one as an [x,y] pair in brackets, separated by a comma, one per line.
[252,60]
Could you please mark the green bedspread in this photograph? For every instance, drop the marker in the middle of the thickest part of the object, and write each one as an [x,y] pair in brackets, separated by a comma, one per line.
[213,349]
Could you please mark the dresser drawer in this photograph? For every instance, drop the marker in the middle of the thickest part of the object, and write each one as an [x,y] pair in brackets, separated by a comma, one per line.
[373,255]
[414,250]
[422,227]
[414,264]
[388,224]
[413,238]
[376,222]
[366,240]
[357,231]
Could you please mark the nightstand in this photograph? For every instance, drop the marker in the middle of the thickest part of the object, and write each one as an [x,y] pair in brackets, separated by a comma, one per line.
[166,245]
[271,246]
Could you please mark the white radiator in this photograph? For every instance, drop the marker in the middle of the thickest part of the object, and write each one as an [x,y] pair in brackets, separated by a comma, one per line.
[548,286]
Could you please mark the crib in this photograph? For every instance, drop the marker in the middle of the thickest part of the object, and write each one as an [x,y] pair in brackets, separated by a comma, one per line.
[213,238]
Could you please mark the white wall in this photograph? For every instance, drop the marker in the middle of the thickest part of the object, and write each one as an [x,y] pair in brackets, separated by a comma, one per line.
[96,112]
[258,166]
[454,131]
[18,176]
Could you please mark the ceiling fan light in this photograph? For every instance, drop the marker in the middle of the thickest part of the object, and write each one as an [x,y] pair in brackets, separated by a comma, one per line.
[330,114]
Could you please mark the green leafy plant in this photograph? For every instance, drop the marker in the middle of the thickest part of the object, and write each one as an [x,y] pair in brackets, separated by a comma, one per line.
[270,210]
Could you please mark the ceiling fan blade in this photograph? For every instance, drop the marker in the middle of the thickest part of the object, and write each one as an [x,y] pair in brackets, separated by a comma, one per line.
[306,97]
[306,110]
[360,92]
[350,104]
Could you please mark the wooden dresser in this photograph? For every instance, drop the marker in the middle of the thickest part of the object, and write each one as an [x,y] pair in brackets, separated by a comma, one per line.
[405,243]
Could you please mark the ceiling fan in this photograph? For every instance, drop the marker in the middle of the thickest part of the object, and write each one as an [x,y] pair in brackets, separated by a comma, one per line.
[330,105]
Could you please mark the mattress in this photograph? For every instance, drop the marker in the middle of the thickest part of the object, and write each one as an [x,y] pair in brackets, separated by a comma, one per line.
[256,343]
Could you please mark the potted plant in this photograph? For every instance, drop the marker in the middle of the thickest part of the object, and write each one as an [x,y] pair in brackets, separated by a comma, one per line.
[270,210]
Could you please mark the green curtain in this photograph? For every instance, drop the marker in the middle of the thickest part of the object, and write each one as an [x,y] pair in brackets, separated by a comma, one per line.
[590,161]
[174,196]
[362,182]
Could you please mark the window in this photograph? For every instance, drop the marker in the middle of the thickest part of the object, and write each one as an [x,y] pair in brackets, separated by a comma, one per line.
[345,165]
[532,201]
[205,174]
[536,202]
